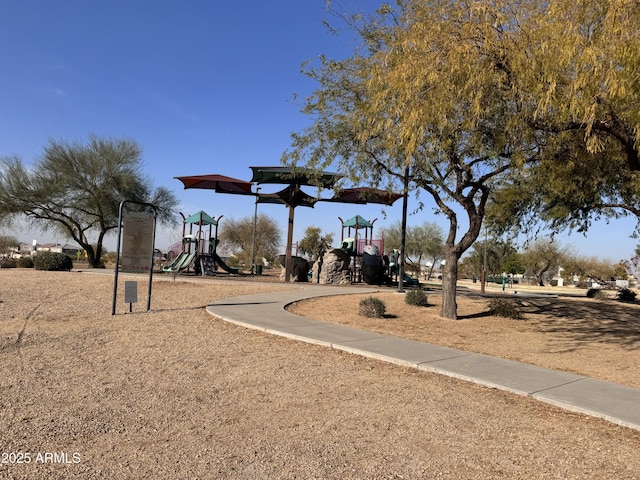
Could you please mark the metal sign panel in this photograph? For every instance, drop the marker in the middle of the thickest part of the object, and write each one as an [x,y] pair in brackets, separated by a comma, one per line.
[137,243]
[130,292]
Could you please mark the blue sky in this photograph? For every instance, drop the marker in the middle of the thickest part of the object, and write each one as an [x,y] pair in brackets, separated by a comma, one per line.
[203,87]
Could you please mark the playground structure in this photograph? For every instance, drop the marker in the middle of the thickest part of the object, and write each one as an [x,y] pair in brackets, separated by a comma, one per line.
[368,262]
[197,251]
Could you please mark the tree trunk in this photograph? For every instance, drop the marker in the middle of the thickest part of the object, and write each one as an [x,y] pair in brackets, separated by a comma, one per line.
[449,286]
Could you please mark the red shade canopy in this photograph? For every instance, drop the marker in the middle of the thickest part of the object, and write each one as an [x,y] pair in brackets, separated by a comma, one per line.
[218,183]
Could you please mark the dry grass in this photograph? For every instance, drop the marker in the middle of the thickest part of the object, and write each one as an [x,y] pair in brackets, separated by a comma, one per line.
[175,393]
[579,335]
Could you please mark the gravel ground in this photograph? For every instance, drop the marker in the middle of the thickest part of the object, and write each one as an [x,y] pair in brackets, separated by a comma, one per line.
[177,394]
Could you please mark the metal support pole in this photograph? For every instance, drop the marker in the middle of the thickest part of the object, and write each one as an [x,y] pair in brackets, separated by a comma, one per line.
[255,226]
[403,241]
[483,275]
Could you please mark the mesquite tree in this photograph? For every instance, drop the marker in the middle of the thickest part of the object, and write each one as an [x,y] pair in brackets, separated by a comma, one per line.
[76,189]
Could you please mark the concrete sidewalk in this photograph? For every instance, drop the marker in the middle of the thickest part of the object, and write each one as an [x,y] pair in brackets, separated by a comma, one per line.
[616,403]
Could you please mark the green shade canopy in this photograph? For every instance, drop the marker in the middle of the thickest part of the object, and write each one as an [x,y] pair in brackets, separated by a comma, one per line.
[291,196]
[294,176]
[364,195]
[200,218]
[357,222]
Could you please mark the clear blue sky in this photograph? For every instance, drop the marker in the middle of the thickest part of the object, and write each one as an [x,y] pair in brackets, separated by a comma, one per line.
[203,87]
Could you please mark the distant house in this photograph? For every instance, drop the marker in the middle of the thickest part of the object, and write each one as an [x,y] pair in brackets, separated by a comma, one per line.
[48,247]
[24,250]
[27,249]
[70,250]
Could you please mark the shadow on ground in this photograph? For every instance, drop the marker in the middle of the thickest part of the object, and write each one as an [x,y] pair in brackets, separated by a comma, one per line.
[587,321]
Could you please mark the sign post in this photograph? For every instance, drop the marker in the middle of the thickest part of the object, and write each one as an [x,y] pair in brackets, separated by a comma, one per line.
[139,229]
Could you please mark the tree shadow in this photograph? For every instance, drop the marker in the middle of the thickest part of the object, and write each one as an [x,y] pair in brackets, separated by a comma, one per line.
[471,316]
[586,320]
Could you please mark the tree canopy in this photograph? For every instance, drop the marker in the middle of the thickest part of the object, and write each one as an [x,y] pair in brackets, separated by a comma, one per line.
[582,91]
[7,244]
[460,96]
[236,238]
[423,242]
[314,243]
[76,189]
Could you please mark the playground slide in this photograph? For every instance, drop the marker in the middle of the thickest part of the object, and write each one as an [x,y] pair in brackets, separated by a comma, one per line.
[223,265]
[186,259]
[410,281]
[173,265]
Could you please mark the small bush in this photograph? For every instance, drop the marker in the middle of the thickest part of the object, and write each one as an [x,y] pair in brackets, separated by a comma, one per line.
[25,262]
[626,295]
[8,263]
[372,307]
[52,261]
[416,297]
[592,292]
[505,307]
[601,295]
[597,294]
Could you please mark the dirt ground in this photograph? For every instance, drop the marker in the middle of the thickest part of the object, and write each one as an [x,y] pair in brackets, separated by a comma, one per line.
[176,393]
[595,338]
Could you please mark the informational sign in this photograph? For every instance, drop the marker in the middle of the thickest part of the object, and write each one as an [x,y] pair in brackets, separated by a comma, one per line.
[137,243]
[130,292]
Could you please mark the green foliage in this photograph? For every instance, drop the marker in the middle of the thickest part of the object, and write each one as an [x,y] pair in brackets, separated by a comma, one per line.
[52,261]
[422,242]
[416,297]
[501,257]
[25,262]
[505,307]
[314,243]
[626,295]
[8,263]
[513,264]
[236,239]
[372,307]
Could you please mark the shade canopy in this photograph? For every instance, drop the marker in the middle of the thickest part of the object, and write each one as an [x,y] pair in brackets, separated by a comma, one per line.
[291,196]
[200,218]
[364,195]
[357,222]
[218,183]
[294,176]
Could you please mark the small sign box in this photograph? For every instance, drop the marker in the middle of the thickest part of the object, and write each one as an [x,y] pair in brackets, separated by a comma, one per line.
[130,292]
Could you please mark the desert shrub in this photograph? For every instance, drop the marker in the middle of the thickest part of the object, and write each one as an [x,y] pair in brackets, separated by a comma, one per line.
[505,307]
[601,295]
[416,297]
[8,263]
[626,295]
[591,293]
[372,307]
[597,294]
[25,262]
[52,261]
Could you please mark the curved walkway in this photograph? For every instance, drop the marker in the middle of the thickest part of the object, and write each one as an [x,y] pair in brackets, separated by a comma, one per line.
[618,404]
